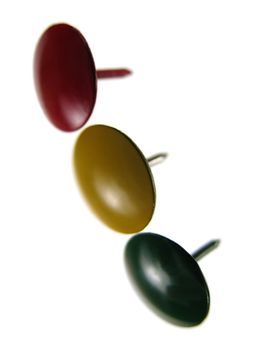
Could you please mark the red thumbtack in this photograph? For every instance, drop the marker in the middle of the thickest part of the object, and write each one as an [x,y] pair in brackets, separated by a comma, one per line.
[66,77]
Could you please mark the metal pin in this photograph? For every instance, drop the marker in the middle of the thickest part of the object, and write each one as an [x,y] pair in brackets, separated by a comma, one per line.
[157,158]
[205,249]
[112,73]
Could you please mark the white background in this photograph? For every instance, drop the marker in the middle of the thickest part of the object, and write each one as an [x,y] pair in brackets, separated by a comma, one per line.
[197,93]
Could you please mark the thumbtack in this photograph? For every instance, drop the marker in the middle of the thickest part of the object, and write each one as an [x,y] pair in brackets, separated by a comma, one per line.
[115,178]
[66,77]
[168,278]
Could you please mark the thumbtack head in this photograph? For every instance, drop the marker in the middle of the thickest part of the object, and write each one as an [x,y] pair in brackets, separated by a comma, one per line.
[168,279]
[66,77]
[115,178]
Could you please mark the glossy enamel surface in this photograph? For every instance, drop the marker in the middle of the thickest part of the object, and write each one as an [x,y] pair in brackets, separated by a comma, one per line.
[114,178]
[168,278]
[65,77]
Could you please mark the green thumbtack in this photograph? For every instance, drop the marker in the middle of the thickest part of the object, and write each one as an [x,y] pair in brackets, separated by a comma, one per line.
[168,278]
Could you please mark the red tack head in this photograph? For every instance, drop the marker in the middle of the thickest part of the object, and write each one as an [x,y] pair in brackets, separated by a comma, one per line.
[65,77]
